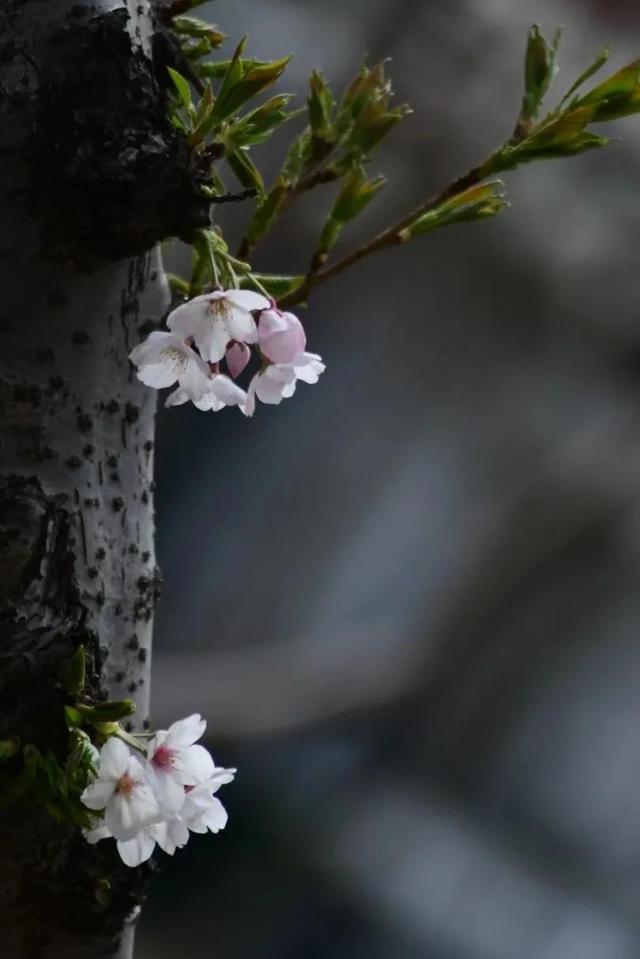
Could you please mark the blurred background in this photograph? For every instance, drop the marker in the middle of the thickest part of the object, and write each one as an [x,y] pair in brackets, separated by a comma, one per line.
[407,599]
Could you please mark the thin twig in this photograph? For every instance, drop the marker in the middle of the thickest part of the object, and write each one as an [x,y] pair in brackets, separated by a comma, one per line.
[392,236]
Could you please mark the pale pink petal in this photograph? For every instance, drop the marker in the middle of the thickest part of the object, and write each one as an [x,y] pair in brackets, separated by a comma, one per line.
[177,398]
[308,368]
[121,818]
[150,349]
[185,732]
[167,789]
[195,380]
[271,322]
[242,326]
[97,834]
[171,835]
[114,758]
[98,794]
[249,406]
[227,392]
[269,387]
[137,850]
[281,335]
[220,777]
[194,765]
[157,375]
[187,317]
[216,817]
[247,299]
[212,339]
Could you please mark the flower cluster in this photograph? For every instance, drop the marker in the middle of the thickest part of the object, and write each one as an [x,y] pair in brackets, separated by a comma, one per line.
[156,798]
[220,327]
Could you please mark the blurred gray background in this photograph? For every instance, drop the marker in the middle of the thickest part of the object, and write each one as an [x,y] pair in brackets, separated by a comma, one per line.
[407,599]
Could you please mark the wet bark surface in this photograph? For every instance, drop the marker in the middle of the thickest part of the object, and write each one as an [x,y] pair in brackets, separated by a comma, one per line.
[85,153]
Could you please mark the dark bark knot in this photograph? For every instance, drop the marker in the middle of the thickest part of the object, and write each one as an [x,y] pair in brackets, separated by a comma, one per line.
[110,174]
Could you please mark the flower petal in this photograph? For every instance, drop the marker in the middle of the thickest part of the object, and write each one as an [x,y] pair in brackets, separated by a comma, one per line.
[227,392]
[308,367]
[171,835]
[97,833]
[247,299]
[187,317]
[97,795]
[216,816]
[185,732]
[168,789]
[177,398]
[114,758]
[242,326]
[212,339]
[137,850]
[194,765]
[151,349]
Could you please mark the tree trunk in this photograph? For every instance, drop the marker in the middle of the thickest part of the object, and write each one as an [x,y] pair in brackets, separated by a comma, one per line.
[92,175]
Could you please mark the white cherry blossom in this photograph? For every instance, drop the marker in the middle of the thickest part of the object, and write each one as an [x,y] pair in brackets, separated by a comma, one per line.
[220,391]
[201,812]
[175,761]
[215,319]
[164,359]
[277,381]
[122,789]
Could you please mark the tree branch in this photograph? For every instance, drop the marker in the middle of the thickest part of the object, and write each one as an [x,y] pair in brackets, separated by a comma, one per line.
[392,236]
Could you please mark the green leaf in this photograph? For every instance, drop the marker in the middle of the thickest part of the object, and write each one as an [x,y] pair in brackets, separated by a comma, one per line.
[217,70]
[320,106]
[618,96]
[237,87]
[355,195]
[591,70]
[476,203]
[266,212]
[73,673]
[72,717]
[182,87]
[177,284]
[245,170]
[202,121]
[256,127]
[298,158]
[110,711]
[194,27]
[8,749]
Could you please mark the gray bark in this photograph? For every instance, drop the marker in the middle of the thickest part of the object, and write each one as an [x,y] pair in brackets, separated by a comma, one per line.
[83,144]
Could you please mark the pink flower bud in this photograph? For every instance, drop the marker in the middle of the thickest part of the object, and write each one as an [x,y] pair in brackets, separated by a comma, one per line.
[237,356]
[281,336]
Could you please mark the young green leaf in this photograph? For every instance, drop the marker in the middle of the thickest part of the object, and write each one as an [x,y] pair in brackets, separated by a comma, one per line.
[182,88]
[591,70]
[476,203]
[73,673]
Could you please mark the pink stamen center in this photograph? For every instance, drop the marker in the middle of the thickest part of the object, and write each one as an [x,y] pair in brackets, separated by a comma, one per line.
[163,757]
[125,785]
